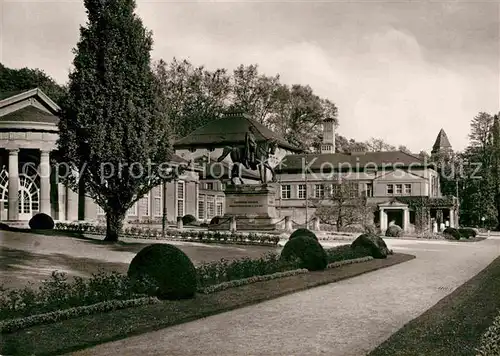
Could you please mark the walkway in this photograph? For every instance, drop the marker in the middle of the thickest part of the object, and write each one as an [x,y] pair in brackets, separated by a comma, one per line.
[347,318]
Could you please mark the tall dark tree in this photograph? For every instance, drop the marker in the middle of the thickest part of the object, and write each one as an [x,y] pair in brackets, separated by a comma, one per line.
[495,165]
[112,128]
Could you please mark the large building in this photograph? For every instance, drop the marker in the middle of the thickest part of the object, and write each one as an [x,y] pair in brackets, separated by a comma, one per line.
[29,132]
[389,181]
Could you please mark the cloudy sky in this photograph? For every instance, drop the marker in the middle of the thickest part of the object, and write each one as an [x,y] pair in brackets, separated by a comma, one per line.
[397,70]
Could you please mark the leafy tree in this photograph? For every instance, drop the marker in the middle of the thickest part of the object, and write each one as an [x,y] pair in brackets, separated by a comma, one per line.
[404,149]
[254,93]
[378,144]
[26,78]
[112,129]
[299,116]
[193,96]
[342,206]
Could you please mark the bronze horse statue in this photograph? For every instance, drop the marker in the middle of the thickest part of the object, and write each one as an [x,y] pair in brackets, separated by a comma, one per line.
[239,158]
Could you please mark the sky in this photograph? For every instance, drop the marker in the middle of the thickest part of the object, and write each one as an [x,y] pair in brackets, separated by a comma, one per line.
[397,70]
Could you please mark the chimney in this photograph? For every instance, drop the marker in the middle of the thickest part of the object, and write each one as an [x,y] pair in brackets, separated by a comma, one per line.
[328,144]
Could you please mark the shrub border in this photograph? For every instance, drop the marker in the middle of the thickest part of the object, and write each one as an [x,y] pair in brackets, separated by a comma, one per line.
[11,325]
[348,262]
[176,235]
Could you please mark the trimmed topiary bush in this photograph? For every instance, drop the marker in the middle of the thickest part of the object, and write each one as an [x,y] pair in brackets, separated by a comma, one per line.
[41,221]
[303,232]
[394,231]
[467,232]
[309,251]
[188,219]
[451,233]
[168,268]
[373,243]
[215,220]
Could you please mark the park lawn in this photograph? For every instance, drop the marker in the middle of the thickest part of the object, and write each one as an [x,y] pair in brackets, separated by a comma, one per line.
[454,326]
[79,333]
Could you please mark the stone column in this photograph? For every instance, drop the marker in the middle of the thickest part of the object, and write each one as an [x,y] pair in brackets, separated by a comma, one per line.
[288,223]
[452,218]
[196,199]
[61,196]
[13,213]
[406,220]
[383,221]
[232,226]
[71,205]
[179,223]
[315,222]
[45,182]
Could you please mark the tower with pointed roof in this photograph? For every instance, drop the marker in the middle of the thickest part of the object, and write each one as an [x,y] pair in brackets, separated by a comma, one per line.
[442,145]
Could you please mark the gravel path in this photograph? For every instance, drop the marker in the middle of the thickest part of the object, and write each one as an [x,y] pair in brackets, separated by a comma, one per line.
[346,318]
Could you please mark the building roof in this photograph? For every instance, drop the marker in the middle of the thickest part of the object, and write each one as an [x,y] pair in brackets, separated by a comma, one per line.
[30,114]
[344,161]
[11,97]
[230,130]
[442,142]
[221,170]
[28,109]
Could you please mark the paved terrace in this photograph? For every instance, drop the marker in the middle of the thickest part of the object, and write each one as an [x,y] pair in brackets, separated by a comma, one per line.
[347,318]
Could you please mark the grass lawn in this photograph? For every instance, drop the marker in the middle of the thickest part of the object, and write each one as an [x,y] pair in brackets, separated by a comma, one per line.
[79,333]
[453,326]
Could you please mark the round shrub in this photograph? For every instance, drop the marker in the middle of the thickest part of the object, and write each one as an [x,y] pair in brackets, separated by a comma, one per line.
[394,231]
[303,232]
[374,244]
[188,219]
[216,220]
[467,232]
[451,233]
[308,251]
[170,269]
[41,221]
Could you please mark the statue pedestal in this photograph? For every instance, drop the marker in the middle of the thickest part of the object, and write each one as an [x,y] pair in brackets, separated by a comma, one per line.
[252,205]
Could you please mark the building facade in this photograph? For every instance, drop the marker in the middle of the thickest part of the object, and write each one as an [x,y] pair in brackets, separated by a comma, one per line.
[392,184]
[28,184]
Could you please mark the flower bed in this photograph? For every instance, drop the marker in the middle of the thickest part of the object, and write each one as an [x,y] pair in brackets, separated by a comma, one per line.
[490,341]
[11,325]
[58,299]
[250,280]
[176,235]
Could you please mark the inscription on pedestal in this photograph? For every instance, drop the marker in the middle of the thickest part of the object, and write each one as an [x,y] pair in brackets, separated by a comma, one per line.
[246,204]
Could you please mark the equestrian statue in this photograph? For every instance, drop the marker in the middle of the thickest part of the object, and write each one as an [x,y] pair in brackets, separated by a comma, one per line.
[252,155]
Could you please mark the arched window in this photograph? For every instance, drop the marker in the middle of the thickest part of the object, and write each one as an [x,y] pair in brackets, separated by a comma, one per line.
[29,195]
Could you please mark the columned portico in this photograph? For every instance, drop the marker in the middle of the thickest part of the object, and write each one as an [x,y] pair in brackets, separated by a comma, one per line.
[13,213]
[393,206]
